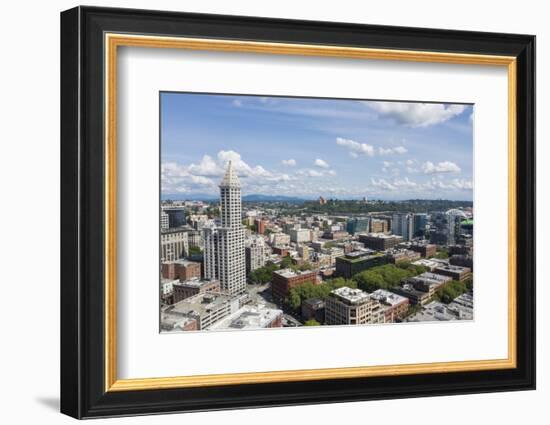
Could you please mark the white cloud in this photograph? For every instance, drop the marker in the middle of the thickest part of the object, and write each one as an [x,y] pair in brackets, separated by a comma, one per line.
[416,114]
[382,184]
[237,102]
[454,184]
[356,148]
[206,167]
[321,163]
[289,162]
[310,173]
[390,151]
[405,183]
[441,167]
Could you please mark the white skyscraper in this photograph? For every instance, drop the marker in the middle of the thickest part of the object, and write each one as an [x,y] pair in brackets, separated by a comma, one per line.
[224,252]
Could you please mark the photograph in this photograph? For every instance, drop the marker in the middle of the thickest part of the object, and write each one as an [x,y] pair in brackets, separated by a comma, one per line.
[283,212]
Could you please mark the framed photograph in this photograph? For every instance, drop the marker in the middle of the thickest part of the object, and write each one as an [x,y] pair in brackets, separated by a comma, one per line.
[261,212]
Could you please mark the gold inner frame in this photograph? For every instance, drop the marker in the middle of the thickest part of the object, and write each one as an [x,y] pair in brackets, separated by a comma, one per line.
[113,41]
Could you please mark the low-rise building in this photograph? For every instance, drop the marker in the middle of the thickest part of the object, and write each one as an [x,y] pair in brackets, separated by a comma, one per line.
[437,311]
[396,256]
[279,239]
[206,308]
[356,262]
[380,241]
[428,282]
[167,290]
[170,323]
[334,235]
[313,308]
[455,272]
[414,295]
[394,306]
[286,279]
[431,265]
[462,260]
[194,286]
[300,235]
[180,269]
[251,317]
[425,249]
[347,306]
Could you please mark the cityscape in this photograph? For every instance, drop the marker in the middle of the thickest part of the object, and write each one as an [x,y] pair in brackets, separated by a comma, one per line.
[242,248]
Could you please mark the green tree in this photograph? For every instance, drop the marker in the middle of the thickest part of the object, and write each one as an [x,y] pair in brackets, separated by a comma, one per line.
[387,276]
[195,250]
[263,274]
[442,254]
[448,292]
[286,262]
[312,322]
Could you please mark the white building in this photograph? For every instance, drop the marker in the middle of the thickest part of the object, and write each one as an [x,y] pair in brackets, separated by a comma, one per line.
[403,225]
[251,317]
[300,235]
[174,244]
[279,239]
[224,251]
[256,253]
[164,221]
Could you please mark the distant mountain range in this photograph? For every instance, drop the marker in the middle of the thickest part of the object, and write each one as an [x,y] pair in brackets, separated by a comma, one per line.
[246,198]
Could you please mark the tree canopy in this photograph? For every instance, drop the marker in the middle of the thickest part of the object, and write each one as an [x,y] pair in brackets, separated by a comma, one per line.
[448,292]
[387,276]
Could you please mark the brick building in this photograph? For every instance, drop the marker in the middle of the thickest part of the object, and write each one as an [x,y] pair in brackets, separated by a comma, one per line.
[284,280]
[181,269]
[191,287]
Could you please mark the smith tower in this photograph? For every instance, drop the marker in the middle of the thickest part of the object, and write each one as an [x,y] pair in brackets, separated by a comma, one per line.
[224,251]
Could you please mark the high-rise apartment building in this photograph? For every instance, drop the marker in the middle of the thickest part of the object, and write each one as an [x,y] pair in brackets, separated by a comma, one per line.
[256,253]
[403,225]
[164,221]
[358,225]
[224,251]
[420,222]
[174,244]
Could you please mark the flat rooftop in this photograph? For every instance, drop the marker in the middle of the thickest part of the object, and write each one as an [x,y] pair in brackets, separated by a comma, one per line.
[437,311]
[289,273]
[195,282]
[431,278]
[450,268]
[181,262]
[352,296]
[387,297]
[380,236]
[248,317]
[200,304]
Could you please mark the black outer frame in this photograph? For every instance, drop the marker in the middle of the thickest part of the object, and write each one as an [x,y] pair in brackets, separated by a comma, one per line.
[82,206]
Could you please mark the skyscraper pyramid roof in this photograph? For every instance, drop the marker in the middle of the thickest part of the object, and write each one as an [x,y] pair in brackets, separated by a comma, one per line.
[230,179]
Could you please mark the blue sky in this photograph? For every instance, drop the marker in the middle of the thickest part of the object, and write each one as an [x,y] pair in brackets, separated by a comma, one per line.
[310,147]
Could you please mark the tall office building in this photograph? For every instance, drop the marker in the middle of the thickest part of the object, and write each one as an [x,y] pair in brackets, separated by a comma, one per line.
[420,222]
[176,216]
[224,251]
[443,229]
[402,225]
[358,225]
